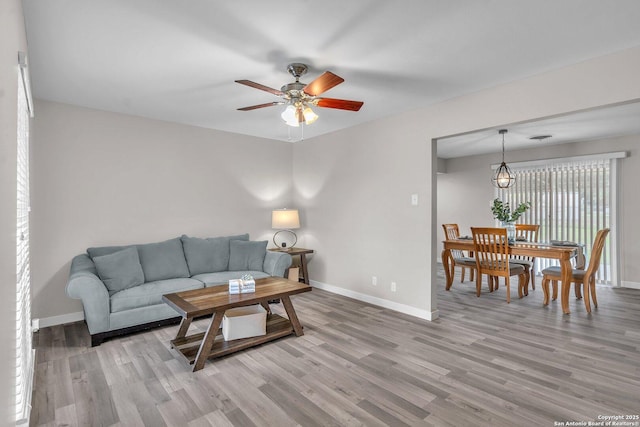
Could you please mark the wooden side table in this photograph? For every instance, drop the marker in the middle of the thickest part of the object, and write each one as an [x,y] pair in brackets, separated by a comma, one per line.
[302,252]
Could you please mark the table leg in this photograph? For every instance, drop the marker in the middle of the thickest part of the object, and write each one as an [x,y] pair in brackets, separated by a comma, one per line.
[565,269]
[303,264]
[207,341]
[293,318]
[265,305]
[184,327]
[446,254]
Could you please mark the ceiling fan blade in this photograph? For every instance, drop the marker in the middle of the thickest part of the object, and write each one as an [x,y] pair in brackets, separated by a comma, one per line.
[261,87]
[323,83]
[341,104]
[254,107]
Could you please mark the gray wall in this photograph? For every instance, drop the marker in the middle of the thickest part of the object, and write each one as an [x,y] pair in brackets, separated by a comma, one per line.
[466,183]
[355,185]
[12,39]
[101,178]
[355,188]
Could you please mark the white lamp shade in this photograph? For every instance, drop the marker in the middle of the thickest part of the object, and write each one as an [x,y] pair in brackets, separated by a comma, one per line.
[285,219]
[309,116]
[289,115]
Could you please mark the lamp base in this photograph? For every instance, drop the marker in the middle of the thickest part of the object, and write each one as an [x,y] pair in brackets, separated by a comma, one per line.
[283,245]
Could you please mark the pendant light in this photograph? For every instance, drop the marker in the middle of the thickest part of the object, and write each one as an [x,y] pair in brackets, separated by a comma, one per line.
[503,178]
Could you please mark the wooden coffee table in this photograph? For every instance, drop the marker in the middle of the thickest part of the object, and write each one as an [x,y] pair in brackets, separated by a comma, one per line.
[197,348]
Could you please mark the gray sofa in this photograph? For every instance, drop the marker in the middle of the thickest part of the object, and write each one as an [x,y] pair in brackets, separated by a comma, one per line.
[121,287]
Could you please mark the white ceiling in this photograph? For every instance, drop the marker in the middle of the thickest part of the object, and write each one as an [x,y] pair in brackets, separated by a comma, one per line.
[601,123]
[177,61]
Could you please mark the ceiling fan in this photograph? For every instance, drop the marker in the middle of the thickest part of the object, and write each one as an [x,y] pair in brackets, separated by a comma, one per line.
[299,97]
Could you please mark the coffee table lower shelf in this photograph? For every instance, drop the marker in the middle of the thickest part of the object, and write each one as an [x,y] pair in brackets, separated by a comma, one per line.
[277,327]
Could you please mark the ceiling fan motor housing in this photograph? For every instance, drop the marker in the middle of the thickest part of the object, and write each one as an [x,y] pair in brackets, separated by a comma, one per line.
[293,90]
[297,69]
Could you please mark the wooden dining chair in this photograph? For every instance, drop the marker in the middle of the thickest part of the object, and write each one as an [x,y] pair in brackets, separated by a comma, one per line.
[527,233]
[585,278]
[491,249]
[459,258]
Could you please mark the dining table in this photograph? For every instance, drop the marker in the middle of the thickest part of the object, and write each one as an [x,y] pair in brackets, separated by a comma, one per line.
[564,252]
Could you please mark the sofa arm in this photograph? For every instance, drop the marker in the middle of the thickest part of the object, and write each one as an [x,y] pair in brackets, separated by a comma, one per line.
[276,263]
[86,286]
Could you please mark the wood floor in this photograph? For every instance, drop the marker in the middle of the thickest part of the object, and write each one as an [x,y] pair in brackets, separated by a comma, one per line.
[484,362]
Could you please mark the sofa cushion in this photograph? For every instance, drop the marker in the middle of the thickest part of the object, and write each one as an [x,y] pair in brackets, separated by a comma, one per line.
[120,270]
[247,255]
[223,277]
[208,255]
[106,250]
[150,293]
[164,260]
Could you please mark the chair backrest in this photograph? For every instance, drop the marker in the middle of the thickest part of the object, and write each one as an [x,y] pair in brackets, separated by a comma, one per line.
[596,253]
[528,232]
[491,249]
[451,231]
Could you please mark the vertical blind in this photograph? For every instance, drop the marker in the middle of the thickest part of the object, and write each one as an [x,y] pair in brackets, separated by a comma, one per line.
[571,201]
[24,351]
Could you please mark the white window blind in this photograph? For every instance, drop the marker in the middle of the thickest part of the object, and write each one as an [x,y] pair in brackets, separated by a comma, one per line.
[571,200]
[24,351]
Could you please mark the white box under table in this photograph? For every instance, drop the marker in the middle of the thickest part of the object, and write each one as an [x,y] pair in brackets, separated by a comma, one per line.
[244,322]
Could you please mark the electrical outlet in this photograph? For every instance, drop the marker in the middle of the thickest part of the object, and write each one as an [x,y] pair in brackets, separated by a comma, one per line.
[414,200]
[393,287]
[374,280]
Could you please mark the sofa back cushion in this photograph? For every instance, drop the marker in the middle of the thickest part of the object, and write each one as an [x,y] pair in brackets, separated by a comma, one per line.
[164,260]
[106,250]
[208,255]
[247,255]
[120,270]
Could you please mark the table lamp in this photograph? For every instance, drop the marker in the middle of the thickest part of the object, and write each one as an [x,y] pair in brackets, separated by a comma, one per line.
[285,220]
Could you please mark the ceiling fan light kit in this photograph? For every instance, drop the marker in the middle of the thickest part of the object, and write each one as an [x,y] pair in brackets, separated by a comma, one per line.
[299,97]
[503,178]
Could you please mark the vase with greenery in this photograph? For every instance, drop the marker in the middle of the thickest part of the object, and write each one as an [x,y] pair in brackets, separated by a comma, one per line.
[503,213]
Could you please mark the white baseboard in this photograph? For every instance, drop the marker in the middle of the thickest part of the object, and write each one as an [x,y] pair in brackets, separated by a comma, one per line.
[57,320]
[632,285]
[402,308]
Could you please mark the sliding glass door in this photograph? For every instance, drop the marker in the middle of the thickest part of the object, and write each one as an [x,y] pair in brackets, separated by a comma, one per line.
[571,199]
